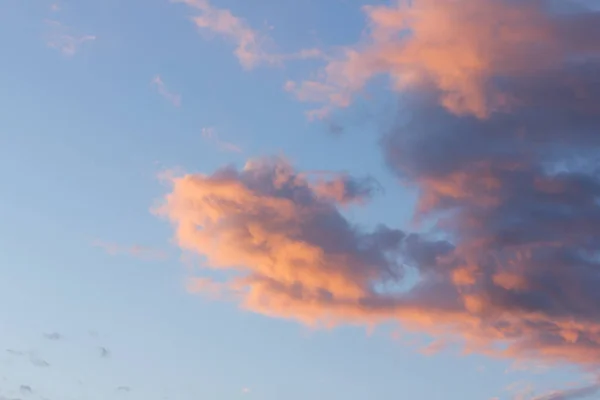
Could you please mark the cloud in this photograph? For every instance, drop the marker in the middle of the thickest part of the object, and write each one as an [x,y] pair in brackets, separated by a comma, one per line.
[38,362]
[251,46]
[53,336]
[582,392]
[516,189]
[104,352]
[292,254]
[62,38]
[210,134]
[164,91]
[463,48]
[290,251]
[345,189]
[34,359]
[142,252]
[124,389]
[499,135]
[25,389]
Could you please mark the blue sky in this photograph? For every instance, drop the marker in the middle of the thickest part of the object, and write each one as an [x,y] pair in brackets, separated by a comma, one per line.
[85,132]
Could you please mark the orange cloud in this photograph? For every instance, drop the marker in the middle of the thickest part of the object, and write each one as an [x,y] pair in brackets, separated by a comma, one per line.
[458,47]
[290,253]
[501,142]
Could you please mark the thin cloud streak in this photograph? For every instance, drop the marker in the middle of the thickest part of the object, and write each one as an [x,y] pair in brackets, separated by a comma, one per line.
[164,91]
[251,46]
[211,135]
[142,252]
[583,392]
[62,38]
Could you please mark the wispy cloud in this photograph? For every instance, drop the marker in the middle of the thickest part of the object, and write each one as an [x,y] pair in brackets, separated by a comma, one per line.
[53,336]
[164,91]
[251,46]
[142,252]
[211,135]
[583,392]
[63,39]
[34,359]
[527,392]
[37,361]
[25,390]
[104,352]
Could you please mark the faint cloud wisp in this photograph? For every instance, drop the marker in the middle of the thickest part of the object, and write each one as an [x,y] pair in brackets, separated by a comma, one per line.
[142,252]
[164,91]
[62,38]
[211,135]
[251,45]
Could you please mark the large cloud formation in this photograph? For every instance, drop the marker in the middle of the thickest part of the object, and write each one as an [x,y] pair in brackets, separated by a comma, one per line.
[295,254]
[514,186]
[462,47]
[500,134]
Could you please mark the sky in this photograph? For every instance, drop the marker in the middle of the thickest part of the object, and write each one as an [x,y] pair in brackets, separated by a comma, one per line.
[280,199]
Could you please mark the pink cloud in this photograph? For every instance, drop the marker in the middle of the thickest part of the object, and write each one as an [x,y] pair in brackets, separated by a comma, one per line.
[576,392]
[251,45]
[142,252]
[500,140]
[211,135]
[61,38]
[456,46]
[290,253]
[164,91]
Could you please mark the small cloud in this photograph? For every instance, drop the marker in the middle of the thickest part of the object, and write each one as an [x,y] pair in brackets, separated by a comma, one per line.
[104,352]
[38,362]
[162,89]
[211,135]
[246,390]
[142,252]
[54,7]
[250,44]
[53,336]
[25,389]
[522,391]
[62,38]
[434,347]
[124,389]
[33,358]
